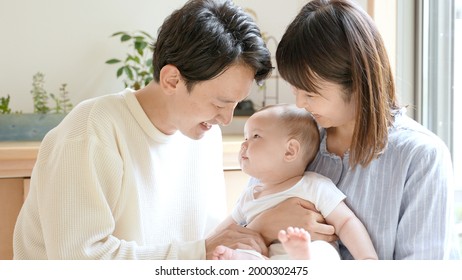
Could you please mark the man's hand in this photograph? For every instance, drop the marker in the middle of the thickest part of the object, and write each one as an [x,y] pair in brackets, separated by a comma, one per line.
[294,212]
[236,237]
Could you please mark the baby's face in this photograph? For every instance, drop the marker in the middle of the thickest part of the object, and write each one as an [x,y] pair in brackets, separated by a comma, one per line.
[265,144]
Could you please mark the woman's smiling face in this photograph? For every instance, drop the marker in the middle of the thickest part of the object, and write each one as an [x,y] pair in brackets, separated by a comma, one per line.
[328,106]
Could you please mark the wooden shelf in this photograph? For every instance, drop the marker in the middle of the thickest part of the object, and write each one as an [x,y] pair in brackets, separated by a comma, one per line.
[17,159]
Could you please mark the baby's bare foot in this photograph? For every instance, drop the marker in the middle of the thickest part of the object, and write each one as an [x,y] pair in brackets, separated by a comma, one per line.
[296,242]
[224,253]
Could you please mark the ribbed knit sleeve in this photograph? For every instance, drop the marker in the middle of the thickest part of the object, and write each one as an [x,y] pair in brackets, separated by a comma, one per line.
[105,188]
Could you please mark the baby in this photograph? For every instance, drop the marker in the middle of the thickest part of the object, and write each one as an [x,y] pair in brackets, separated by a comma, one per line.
[280,141]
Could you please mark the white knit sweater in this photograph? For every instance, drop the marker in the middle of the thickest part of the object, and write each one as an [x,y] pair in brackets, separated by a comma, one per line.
[108,185]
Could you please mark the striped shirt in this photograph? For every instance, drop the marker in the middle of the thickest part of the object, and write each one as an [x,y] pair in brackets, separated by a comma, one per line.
[404,198]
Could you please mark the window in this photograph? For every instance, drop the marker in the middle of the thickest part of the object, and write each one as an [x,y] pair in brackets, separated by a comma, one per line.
[438,79]
[457,114]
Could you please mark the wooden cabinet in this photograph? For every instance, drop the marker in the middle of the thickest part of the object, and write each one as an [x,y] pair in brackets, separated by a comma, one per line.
[16,162]
[18,158]
[11,199]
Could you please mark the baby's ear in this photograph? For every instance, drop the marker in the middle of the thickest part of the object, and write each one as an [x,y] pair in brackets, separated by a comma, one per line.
[292,150]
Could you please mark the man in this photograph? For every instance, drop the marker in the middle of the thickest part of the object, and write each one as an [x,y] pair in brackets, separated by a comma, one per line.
[138,175]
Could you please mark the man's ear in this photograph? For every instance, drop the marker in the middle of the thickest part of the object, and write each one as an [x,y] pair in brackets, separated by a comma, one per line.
[169,78]
[292,150]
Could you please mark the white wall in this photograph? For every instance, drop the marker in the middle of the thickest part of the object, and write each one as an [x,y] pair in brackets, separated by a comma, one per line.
[69,41]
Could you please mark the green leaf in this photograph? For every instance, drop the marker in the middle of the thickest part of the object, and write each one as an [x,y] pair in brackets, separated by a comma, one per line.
[113,61]
[129,58]
[120,71]
[132,58]
[139,46]
[139,38]
[118,33]
[129,72]
[147,80]
[146,34]
[125,37]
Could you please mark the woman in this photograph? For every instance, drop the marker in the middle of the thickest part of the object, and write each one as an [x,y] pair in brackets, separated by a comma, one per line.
[396,174]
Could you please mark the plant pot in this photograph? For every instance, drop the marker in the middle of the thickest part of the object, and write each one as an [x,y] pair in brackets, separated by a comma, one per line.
[27,127]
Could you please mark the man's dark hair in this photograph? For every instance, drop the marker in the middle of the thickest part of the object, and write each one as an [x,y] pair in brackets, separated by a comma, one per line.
[205,37]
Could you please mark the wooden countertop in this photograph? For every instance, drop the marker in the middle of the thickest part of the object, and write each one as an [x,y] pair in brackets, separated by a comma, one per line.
[18,158]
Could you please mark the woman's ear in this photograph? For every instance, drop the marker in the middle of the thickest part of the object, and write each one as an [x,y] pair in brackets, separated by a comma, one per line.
[292,150]
[169,78]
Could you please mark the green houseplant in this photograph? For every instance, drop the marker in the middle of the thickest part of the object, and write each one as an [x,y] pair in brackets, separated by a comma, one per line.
[20,126]
[136,68]
[5,105]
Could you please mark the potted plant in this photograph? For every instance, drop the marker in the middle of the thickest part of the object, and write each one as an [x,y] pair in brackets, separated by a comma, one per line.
[136,69]
[20,126]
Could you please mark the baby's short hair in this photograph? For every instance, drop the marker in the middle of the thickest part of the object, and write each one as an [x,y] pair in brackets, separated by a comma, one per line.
[299,125]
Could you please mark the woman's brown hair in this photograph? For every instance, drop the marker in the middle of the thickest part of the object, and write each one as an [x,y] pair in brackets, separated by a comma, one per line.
[336,41]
